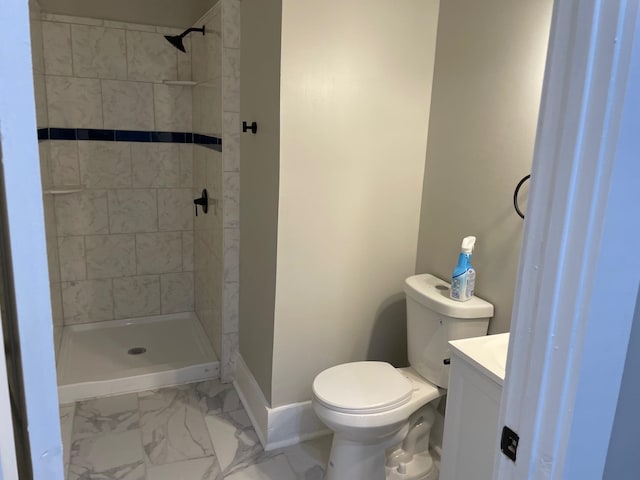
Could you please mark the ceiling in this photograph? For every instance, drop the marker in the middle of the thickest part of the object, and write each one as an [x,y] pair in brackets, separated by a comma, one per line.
[172,13]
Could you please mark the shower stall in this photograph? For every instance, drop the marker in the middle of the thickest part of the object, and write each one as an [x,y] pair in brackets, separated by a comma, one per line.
[131,130]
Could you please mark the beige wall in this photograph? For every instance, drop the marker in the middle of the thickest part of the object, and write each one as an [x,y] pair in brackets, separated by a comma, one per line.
[486,92]
[260,102]
[354,106]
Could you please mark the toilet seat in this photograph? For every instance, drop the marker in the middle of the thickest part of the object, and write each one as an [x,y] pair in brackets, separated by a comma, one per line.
[362,388]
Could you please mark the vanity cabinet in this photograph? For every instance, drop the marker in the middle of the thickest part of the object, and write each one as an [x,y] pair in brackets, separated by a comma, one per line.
[473,403]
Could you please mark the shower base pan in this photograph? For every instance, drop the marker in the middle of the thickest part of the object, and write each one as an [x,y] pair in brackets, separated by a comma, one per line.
[123,356]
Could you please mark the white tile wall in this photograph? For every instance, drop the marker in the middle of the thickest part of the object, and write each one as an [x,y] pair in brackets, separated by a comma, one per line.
[216,106]
[64,163]
[45,173]
[40,93]
[231,250]
[133,218]
[130,26]
[82,213]
[187,251]
[73,263]
[230,184]
[127,105]
[231,79]
[150,58]
[99,52]
[54,17]
[186,166]
[35,30]
[184,61]
[230,300]
[159,252]
[104,164]
[87,301]
[57,48]
[231,23]
[156,164]
[110,256]
[175,209]
[52,260]
[74,102]
[133,211]
[177,292]
[231,199]
[136,296]
[173,108]
[231,139]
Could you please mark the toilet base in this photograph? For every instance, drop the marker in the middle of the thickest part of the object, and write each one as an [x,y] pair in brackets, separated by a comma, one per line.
[420,468]
[351,460]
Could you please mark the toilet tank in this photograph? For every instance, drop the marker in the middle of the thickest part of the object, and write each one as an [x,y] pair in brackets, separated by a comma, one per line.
[433,319]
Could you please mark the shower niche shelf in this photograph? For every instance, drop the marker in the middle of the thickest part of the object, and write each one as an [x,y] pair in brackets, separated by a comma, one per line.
[184,83]
[63,190]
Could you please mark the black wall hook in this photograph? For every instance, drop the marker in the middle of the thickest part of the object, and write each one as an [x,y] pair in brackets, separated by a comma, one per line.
[203,201]
[253,127]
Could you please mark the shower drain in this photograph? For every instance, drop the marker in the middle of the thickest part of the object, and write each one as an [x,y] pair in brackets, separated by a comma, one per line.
[137,351]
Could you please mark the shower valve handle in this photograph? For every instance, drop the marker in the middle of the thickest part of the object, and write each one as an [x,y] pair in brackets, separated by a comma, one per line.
[203,201]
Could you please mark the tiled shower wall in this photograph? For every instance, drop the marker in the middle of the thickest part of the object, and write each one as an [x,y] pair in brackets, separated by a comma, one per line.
[206,167]
[123,245]
[37,56]
[230,184]
[122,241]
[217,234]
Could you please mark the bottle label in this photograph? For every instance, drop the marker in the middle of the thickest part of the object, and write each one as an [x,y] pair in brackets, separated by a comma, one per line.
[471,283]
[462,286]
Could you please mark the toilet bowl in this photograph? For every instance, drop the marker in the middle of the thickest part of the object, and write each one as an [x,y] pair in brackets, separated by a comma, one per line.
[368,405]
[369,415]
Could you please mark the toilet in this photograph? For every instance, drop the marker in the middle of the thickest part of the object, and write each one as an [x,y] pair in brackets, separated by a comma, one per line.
[372,406]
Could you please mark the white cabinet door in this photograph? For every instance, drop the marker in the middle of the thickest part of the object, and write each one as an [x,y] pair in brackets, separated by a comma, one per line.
[471,424]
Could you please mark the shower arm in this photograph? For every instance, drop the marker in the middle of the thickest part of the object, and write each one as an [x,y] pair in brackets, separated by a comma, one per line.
[192,29]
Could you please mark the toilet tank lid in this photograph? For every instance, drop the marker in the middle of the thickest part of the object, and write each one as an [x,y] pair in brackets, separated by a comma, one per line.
[434,293]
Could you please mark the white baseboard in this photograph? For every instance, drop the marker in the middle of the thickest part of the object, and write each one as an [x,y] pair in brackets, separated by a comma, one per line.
[280,426]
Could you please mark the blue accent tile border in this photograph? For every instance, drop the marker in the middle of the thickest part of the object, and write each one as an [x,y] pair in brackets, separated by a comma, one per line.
[93,134]
[62,134]
[104,135]
[207,141]
[132,136]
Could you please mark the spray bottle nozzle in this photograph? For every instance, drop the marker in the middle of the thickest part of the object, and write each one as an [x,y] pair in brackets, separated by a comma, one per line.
[468,243]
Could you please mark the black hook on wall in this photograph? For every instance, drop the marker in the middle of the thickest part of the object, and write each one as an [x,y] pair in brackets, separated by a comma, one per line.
[253,127]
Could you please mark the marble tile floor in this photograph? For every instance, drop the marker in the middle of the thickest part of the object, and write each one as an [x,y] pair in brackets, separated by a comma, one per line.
[198,431]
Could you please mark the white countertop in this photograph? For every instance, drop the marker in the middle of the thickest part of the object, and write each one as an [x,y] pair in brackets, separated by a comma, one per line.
[487,353]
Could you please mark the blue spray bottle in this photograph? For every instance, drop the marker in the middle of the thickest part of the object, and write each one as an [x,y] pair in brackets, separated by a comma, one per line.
[463,279]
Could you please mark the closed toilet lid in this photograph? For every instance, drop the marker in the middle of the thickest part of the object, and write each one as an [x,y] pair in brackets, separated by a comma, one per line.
[362,387]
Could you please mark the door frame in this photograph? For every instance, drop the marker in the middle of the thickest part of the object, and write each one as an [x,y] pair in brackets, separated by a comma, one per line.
[8,465]
[27,255]
[576,290]
[573,234]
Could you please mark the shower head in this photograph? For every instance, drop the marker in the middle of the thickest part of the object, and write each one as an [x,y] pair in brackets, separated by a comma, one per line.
[176,40]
